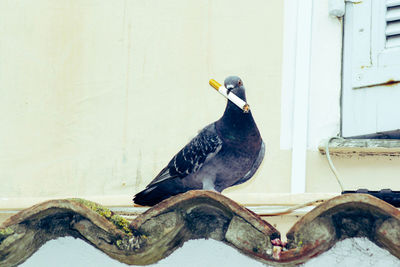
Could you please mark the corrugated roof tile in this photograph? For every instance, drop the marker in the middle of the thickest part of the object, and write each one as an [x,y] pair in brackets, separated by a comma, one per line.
[160,230]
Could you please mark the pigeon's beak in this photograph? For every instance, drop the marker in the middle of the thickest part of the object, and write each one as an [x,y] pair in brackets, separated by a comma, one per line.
[231,96]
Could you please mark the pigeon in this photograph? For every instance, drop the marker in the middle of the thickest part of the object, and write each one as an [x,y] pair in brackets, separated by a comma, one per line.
[225,153]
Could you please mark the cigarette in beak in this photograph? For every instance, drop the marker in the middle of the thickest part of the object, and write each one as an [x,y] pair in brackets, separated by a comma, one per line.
[231,96]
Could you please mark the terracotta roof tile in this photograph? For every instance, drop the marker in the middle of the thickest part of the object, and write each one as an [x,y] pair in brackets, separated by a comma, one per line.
[156,233]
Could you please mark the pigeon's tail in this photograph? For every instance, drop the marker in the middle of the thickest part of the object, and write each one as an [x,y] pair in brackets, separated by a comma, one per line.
[155,194]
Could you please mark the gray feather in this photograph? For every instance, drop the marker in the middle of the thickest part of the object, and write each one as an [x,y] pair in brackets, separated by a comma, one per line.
[191,158]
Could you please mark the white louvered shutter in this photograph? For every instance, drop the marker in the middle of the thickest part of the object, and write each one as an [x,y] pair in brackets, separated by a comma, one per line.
[392,23]
[371,67]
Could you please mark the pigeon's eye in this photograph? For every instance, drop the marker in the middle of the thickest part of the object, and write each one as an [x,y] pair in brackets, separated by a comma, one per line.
[240,83]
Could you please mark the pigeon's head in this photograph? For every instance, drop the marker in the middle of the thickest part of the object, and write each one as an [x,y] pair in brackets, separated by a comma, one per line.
[235,85]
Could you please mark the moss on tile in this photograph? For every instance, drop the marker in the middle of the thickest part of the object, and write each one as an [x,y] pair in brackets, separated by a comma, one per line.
[117,220]
[6,232]
[121,223]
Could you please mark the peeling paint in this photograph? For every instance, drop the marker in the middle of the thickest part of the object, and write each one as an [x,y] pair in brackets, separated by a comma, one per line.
[362,147]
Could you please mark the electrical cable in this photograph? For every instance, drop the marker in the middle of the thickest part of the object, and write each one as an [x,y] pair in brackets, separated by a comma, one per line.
[319,201]
[328,157]
[292,209]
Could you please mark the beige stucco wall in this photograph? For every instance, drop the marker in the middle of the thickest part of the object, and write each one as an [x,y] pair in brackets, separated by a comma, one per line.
[97,96]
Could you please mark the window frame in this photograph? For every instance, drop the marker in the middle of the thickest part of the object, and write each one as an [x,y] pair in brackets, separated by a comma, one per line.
[370,69]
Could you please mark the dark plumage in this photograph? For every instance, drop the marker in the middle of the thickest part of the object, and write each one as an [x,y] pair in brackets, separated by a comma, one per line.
[224,153]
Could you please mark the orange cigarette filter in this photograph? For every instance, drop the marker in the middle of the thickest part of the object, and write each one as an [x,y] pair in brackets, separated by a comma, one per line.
[231,96]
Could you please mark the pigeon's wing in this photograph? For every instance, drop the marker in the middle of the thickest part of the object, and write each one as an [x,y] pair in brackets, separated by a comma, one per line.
[255,166]
[192,157]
